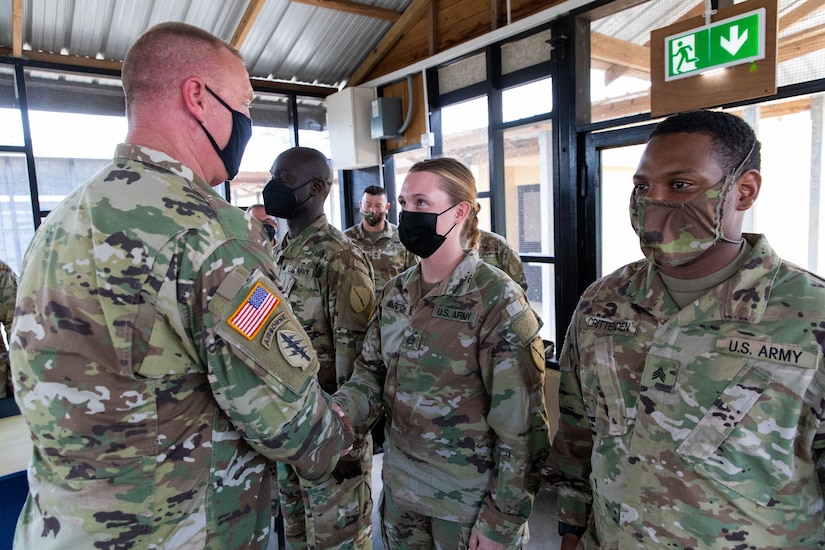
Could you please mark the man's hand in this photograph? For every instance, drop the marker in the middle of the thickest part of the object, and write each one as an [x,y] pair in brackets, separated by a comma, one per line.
[347,426]
[569,542]
[480,542]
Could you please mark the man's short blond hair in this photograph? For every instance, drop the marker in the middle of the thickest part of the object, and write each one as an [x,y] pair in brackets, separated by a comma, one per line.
[167,54]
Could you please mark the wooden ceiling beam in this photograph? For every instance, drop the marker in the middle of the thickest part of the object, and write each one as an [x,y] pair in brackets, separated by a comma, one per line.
[798,13]
[17,28]
[246,22]
[354,7]
[411,15]
[801,43]
[619,52]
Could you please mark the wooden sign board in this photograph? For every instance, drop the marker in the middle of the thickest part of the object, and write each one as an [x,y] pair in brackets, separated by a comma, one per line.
[720,86]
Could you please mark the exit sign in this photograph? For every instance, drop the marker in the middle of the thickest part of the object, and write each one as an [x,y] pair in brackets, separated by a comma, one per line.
[733,41]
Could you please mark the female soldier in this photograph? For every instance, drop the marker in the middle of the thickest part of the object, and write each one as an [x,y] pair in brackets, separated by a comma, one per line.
[453,354]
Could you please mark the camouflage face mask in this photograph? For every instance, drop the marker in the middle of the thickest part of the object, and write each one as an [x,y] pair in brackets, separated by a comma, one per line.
[373,218]
[672,234]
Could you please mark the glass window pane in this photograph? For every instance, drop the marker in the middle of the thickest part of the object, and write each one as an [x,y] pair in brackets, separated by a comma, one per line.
[528,187]
[16,220]
[270,137]
[485,220]
[620,245]
[464,130]
[529,100]
[462,73]
[525,52]
[76,121]
[541,291]
[11,125]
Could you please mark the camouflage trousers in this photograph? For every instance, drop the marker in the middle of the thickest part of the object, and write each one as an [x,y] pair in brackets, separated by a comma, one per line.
[333,513]
[404,529]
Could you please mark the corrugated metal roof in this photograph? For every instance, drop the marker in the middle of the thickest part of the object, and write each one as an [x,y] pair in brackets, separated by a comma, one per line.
[288,41]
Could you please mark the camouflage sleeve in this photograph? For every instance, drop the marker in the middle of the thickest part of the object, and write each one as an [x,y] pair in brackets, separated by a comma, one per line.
[351,301]
[569,461]
[261,366]
[512,265]
[8,293]
[361,397]
[514,376]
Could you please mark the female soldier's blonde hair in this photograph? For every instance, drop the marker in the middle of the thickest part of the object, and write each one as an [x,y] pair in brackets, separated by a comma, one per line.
[460,185]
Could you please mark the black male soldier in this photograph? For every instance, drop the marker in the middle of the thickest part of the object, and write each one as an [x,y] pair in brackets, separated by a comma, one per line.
[693,382]
[329,284]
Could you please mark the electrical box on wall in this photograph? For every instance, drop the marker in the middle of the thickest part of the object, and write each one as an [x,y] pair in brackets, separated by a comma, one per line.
[348,120]
[385,117]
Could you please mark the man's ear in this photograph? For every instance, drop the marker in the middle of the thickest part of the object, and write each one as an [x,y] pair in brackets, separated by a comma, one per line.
[748,184]
[319,187]
[387,209]
[194,91]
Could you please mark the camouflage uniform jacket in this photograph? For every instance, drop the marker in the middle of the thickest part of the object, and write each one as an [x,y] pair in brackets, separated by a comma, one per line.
[152,417]
[701,427]
[8,293]
[329,283]
[460,373]
[496,251]
[386,253]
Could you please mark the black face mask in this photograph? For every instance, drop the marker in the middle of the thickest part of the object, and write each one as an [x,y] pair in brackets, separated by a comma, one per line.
[280,199]
[232,154]
[417,231]
[270,231]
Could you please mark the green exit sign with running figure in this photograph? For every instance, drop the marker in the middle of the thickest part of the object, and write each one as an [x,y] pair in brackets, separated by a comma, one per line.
[733,41]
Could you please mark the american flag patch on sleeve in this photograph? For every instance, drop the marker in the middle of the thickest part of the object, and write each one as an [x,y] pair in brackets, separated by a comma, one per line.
[250,316]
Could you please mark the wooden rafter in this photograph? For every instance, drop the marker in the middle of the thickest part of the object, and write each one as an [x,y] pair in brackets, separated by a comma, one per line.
[798,13]
[17,28]
[354,7]
[247,20]
[411,15]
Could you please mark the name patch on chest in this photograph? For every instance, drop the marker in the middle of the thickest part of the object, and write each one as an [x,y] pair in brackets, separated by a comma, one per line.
[298,270]
[400,307]
[624,326]
[788,354]
[453,314]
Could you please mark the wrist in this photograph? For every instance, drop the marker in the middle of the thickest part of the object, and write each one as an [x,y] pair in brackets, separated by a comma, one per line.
[569,529]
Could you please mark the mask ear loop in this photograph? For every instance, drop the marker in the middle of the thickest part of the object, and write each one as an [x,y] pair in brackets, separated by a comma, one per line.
[731,179]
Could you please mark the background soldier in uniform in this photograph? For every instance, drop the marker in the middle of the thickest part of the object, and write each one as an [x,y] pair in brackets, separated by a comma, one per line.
[693,381]
[270,224]
[154,359]
[378,238]
[496,251]
[454,355]
[8,292]
[329,283]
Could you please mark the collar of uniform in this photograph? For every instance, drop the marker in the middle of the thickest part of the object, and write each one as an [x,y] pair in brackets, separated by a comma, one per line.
[458,283]
[385,232]
[295,246]
[160,160]
[741,298]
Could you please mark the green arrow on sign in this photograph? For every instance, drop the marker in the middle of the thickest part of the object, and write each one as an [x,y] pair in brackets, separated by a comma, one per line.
[732,41]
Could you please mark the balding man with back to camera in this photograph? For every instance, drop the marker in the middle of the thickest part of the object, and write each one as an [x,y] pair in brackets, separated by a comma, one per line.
[157,364]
